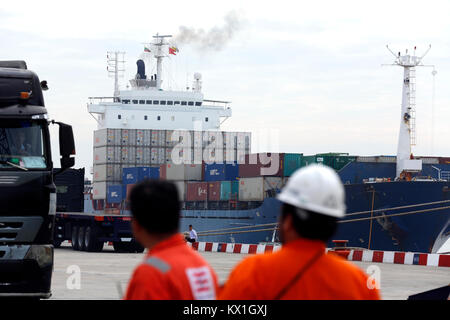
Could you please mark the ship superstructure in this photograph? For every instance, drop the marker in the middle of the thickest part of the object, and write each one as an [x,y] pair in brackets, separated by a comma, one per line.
[147,106]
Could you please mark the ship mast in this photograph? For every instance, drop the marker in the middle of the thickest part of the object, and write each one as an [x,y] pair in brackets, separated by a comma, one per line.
[407,134]
[159,55]
[115,62]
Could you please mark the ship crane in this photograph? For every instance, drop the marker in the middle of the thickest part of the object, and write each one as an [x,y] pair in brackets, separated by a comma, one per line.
[406,164]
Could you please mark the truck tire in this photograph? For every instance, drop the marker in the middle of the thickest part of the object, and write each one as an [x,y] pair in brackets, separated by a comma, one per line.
[75,238]
[90,240]
[81,232]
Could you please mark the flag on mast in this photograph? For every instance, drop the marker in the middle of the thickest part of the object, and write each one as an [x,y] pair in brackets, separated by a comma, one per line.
[146,49]
[173,50]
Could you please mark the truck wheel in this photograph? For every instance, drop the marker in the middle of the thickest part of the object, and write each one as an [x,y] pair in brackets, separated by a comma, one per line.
[81,232]
[75,238]
[90,240]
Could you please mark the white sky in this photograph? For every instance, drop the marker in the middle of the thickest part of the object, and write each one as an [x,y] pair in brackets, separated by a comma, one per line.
[309,70]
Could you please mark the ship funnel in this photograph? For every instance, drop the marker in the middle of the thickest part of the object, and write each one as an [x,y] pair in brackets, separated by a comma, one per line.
[141,70]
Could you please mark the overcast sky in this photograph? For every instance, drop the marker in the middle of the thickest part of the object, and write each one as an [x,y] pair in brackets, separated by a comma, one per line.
[310,70]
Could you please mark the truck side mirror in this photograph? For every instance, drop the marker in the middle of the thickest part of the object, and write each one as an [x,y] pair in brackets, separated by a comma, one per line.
[66,145]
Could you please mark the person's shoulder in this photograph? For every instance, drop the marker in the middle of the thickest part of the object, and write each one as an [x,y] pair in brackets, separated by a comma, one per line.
[343,265]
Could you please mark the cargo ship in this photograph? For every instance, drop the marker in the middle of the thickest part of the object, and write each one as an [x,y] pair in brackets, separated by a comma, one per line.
[397,202]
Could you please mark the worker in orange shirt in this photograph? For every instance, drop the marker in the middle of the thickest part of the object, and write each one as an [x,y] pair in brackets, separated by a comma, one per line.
[171,270]
[312,202]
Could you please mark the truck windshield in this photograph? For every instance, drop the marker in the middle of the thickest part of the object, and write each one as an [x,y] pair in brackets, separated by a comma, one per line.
[21,145]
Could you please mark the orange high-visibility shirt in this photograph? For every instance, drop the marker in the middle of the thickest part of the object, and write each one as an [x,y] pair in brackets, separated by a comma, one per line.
[264,276]
[173,271]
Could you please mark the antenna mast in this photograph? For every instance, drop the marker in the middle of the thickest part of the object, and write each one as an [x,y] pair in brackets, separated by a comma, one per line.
[115,68]
[159,55]
[407,134]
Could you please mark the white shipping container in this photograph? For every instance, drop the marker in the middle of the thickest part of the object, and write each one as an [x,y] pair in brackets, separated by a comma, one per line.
[174,171]
[168,153]
[140,155]
[251,189]
[99,190]
[147,138]
[387,159]
[103,172]
[241,140]
[128,137]
[107,137]
[215,139]
[128,155]
[147,156]
[158,138]
[140,138]
[104,155]
[157,155]
[248,140]
[181,187]
[197,155]
[230,155]
[198,139]
[193,172]
[118,172]
[211,155]
[366,159]
[230,140]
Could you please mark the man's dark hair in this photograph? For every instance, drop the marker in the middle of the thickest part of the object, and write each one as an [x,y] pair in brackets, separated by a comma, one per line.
[190,226]
[156,206]
[309,224]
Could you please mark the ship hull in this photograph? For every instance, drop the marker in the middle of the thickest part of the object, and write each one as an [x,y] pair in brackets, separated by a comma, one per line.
[415,232]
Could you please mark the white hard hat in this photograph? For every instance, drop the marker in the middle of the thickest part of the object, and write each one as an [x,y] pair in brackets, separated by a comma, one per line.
[315,188]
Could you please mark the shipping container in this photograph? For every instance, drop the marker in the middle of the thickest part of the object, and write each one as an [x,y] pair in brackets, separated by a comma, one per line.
[99,189]
[292,162]
[272,186]
[114,194]
[181,188]
[118,172]
[251,189]
[198,139]
[103,172]
[230,140]
[104,155]
[158,138]
[128,137]
[386,159]
[128,155]
[229,190]
[178,137]
[158,155]
[140,158]
[196,191]
[214,191]
[107,137]
[261,164]
[444,160]
[135,174]
[181,172]
[221,171]
[211,155]
[366,159]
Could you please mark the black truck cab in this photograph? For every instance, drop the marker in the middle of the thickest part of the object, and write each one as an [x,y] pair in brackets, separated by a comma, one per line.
[27,189]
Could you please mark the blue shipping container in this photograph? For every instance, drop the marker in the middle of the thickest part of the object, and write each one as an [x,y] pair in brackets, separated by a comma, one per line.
[134,175]
[114,194]
[221,171]
[154,173]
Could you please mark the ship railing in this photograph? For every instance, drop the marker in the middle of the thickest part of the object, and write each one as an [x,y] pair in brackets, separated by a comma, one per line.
[96,100]
[445,175]
[216,103]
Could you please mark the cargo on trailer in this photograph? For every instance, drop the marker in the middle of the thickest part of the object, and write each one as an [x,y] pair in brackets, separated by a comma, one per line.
[196,191]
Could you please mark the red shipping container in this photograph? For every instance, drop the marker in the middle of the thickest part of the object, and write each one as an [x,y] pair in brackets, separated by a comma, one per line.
[261,164]
[214,191]
[444,160]
[197,191]
[129,187]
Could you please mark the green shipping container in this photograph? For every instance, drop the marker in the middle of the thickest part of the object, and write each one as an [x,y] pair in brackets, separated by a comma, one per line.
[229,190]
[334,160]
[292,161]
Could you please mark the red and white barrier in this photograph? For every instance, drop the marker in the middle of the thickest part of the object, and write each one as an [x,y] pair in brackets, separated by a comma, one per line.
[409,258]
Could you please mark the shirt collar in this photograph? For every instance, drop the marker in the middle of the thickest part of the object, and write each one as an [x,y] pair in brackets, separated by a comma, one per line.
[172,241]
